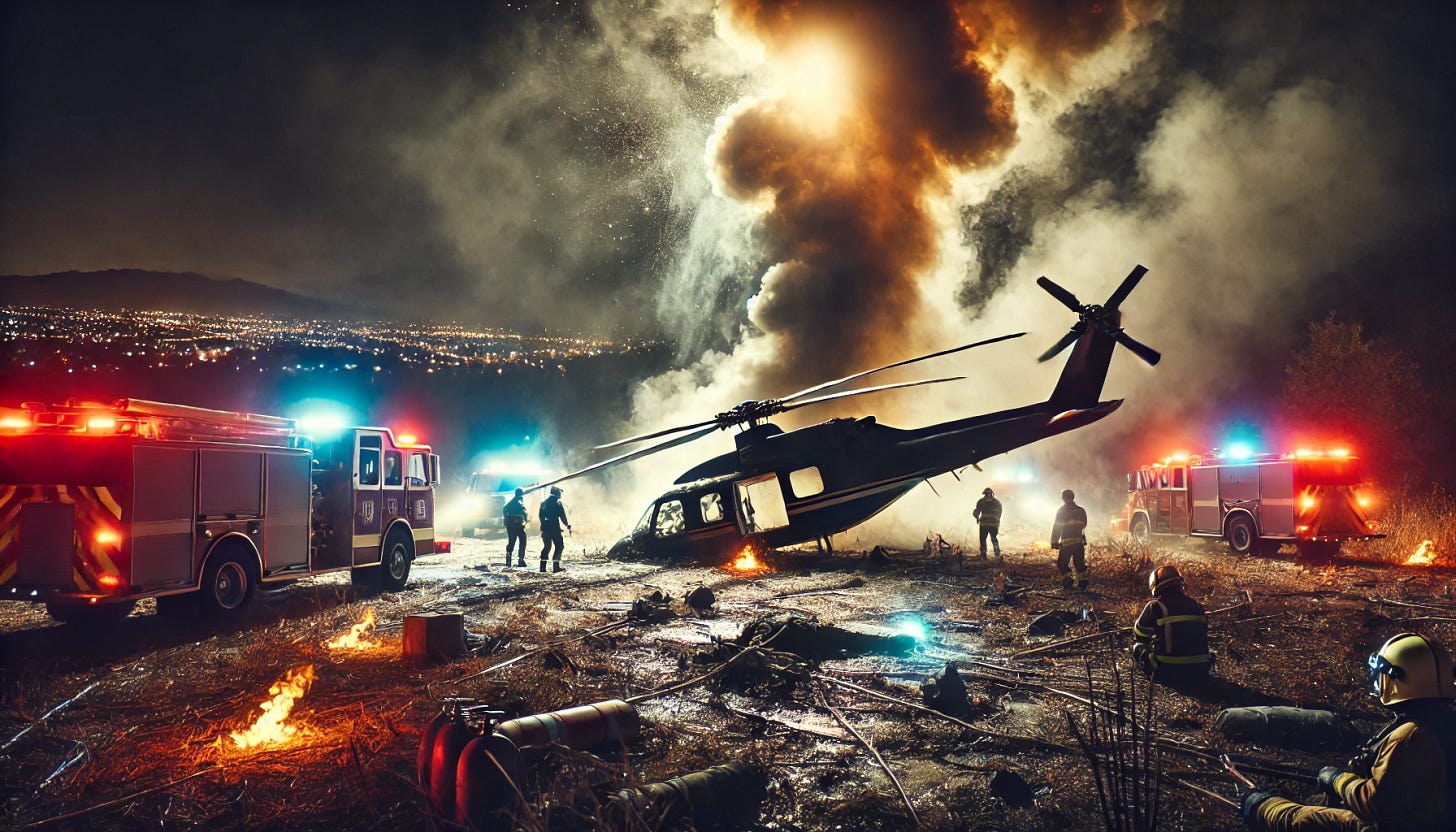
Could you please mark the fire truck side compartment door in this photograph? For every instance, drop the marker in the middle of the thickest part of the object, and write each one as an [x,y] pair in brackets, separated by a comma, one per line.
[1276,487]
[162,516]
[285,521]
[230,484]
[1203,490]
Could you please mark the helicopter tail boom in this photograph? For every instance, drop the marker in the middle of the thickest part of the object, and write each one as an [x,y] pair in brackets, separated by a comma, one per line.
[1093,339]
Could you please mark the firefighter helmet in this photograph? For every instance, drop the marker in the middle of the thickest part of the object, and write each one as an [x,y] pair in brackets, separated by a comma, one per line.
[988,492]
[520,492]
[555,491]
[1409,666]
[1068,496]
[1164,577]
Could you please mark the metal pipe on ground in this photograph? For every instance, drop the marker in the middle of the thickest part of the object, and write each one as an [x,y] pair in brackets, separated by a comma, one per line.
[721,797]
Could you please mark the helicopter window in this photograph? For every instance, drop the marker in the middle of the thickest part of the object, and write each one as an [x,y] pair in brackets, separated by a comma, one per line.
[712,507]
[806,482]
[669,519]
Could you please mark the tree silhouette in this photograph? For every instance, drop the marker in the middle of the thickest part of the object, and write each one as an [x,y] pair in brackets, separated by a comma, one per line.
[1342,387]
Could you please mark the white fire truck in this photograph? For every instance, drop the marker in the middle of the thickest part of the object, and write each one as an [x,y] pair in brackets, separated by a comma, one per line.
[102,505]
[1254,502]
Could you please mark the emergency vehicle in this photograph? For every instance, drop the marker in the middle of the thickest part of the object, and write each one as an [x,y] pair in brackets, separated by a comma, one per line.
[1255,502]
[102,505]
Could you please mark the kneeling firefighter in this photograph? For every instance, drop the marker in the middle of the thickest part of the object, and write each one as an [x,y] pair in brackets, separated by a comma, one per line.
[1404,778]
[1172,632]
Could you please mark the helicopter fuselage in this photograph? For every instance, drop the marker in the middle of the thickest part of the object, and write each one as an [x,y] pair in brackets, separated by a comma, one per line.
[782,488]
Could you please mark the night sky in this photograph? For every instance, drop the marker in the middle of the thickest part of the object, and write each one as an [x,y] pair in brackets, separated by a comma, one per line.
[679,169]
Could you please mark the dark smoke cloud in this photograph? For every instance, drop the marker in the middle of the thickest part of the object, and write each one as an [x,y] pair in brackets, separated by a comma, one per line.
[848,227]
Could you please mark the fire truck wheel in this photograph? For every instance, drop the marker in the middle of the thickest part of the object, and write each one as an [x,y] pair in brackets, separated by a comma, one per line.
[90,615]
[227,583]
[1139,530]
[1241,535]
[394,569]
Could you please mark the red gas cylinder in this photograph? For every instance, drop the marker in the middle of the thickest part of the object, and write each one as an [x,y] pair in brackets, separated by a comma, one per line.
[488,783]
[427,748]
[450,740]
[587,726]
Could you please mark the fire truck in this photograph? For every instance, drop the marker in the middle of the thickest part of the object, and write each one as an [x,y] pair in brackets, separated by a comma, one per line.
[1254,502]
[103,505]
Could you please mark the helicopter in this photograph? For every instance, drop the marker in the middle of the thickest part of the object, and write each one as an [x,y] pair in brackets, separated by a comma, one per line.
[779,488]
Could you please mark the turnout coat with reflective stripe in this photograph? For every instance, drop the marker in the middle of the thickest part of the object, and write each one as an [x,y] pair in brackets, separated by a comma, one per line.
[1070,527]
[1408,790]
[1174,626]
[988,513]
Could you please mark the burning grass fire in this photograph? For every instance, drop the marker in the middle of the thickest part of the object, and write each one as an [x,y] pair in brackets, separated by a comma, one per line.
[272,726]
[359,636]
[747,561]
[1422,555]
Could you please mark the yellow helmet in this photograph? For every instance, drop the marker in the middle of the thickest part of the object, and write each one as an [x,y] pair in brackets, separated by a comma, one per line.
[1162,577]
[1409,667]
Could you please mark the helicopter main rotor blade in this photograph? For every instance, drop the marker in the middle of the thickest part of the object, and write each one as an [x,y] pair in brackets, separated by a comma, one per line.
[1068,299]
[847,393]
[816,388]
[664,432]
[1138,348]
[1072,335]
[1128,284]
[640,452]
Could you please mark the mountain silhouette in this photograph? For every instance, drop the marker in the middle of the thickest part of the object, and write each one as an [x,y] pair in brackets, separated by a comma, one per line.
[138,289]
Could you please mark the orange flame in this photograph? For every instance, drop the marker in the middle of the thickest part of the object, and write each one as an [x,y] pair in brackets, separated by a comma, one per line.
[747,561]
[358,637]
[1422,555]
[272,726]
[1041,546]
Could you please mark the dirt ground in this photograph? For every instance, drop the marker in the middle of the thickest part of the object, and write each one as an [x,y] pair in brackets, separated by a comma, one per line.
[128,727]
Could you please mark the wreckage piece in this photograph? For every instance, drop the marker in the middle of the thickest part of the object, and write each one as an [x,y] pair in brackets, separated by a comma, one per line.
[804,635]
[1303,728]
[701,599]
[652,608]
[489,778]
[946,692]
[434,636]
[721,797]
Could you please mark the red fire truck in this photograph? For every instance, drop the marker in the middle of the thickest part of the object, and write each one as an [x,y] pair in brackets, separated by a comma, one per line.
[1255,502]
[101,505]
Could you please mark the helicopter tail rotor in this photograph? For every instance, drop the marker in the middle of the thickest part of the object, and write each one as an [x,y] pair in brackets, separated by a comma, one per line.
[1105,319]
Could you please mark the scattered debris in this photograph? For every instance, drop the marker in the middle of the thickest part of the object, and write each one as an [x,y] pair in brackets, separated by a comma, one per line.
[1054,623]
[945,691]
[651,608]
[805,636]
[701,599]
[1012,788]
[434,636]
[721,797]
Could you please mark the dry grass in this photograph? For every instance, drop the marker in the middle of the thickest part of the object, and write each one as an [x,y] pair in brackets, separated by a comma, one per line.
[1408,520]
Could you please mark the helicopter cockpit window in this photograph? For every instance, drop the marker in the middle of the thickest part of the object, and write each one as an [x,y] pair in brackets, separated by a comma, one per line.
[712,507]
[669,519]
[806,482]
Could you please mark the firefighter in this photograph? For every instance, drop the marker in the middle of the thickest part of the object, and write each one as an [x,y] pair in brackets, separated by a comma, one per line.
[1404,778]
[553,516]
[1069,538]
[514,517]
[1172,632]
[988,515]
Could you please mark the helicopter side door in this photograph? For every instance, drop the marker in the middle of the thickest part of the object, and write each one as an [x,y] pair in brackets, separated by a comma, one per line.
[759,503]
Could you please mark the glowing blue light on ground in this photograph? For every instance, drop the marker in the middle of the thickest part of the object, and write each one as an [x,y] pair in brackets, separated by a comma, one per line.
[912,626]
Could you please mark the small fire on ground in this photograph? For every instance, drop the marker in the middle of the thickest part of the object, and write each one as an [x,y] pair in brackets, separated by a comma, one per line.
[1422,555]
[359,636]
[1041,546]
[747,561]
[272,726]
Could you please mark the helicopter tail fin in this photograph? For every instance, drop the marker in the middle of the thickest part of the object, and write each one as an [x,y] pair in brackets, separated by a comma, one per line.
[1093,339]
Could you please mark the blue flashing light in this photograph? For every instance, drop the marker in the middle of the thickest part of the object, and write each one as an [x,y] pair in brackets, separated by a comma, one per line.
[1240,450]
[323,419]
[912,626]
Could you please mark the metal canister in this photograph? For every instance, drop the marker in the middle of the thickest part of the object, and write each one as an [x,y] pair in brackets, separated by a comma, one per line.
[489,779]
[583,727]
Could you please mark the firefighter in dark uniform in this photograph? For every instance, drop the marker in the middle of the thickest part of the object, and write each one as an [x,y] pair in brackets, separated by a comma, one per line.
[553,516]
[988,515]
[1069,538]
[1404,779]
[514,517]
[1172,633]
